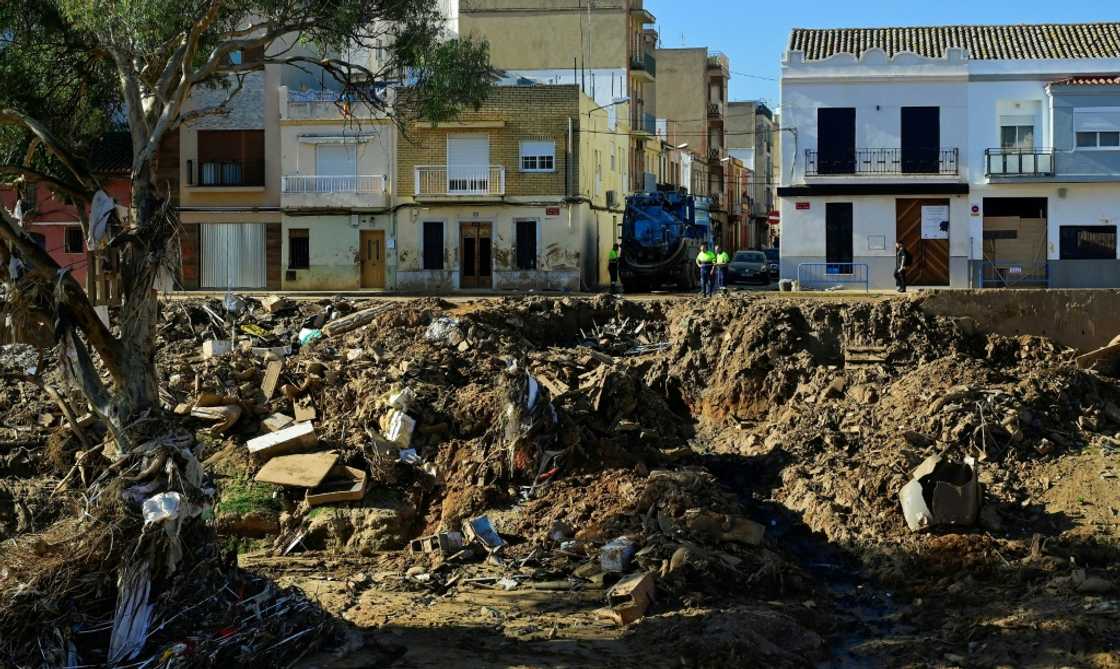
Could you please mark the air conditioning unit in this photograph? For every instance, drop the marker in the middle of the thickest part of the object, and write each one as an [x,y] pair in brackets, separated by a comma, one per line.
[612,199]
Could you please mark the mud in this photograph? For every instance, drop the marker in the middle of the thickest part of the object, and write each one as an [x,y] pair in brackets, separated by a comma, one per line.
[803,416]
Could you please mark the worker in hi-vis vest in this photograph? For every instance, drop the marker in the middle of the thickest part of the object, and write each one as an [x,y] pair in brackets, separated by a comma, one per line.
[722,260]
[704,261]
[612,267]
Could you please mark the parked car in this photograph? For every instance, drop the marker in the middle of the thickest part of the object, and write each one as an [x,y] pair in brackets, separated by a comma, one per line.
[773,256]
[748,267]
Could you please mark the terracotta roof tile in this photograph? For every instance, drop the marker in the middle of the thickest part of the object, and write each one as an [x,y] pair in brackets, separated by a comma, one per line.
[1008,42]
[1090,80]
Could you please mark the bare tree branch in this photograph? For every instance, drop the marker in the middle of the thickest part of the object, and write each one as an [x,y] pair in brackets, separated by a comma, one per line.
[52,144]
[34,176]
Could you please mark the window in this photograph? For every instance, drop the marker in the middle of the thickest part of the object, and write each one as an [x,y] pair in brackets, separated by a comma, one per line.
[336,160]
[526,239]
[1098,140]
[538,156]
[299,248]
[1088,242]
[433,245]
[73,242]
[1016,137]
[1097,128]
[836,140]
[230,158]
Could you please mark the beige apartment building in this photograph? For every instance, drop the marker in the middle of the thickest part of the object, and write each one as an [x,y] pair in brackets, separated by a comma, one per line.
[523,193]
[692,97]
[606,47]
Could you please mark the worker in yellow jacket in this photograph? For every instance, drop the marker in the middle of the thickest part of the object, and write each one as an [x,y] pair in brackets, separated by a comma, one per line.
[704,260]
[721,262]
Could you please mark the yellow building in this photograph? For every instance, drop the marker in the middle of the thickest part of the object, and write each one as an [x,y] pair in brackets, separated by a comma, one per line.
[606,48]
[524,193]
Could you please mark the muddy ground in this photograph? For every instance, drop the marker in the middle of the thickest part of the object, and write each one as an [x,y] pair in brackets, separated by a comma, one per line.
[673,423]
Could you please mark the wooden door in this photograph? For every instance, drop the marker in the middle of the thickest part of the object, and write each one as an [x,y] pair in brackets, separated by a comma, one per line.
[929,264]
[373,258]
[475,255]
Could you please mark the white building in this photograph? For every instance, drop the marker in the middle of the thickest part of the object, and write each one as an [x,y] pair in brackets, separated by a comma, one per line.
[991,152]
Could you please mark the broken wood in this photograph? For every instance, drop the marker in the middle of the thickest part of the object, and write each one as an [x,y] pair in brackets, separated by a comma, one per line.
[343,484]
[354,321]
[271,378]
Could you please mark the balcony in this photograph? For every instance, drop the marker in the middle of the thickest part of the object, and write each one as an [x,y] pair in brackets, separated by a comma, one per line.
[306,191]
[883,162]
[715,111]
[459,181]
[221,175]
[1018,163]
[644,123]
[327,104]
[644,64]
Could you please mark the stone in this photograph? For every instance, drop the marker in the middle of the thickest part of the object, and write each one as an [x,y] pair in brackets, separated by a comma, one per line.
[380,522]
[295,438]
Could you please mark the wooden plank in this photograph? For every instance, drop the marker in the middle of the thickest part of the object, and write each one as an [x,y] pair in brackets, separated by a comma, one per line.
[1103,359]
[307,470]
[271,378]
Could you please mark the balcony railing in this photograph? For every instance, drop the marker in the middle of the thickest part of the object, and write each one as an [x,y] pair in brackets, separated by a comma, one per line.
[230,173]
[458,180]
[879,162]
[364,183]
[715,110]
[644,61]
[1019,162]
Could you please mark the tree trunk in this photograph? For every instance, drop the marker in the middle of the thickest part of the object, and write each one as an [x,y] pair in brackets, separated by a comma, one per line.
[139,266]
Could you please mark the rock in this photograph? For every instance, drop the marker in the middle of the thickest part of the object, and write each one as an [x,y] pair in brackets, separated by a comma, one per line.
[835,390]
[379,523]
[864,393]
[251,525]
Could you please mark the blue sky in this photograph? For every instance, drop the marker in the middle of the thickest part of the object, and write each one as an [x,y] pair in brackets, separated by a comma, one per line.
[754,34]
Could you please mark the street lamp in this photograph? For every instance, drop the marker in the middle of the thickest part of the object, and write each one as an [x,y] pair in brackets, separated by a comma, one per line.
[620,101]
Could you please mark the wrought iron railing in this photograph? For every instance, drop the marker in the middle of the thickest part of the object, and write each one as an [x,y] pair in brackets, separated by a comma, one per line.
[875,162]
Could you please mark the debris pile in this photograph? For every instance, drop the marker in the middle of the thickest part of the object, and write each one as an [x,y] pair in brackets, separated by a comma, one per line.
[658,457]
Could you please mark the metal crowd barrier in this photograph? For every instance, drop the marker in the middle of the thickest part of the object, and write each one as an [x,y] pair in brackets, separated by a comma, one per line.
[825,275]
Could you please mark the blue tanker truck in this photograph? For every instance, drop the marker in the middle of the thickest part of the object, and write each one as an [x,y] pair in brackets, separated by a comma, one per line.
[661,235]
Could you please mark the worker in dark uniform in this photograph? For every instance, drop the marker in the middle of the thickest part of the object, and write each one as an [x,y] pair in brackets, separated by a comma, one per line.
[612,267]
[704,260]
[901,264]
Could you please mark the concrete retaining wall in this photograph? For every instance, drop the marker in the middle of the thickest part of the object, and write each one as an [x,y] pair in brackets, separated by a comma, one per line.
[1081,319]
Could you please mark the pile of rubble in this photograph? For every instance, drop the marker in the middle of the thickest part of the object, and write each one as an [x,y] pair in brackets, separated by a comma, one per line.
[652,452]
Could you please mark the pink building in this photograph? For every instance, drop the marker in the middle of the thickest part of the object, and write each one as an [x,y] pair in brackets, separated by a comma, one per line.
[54,223]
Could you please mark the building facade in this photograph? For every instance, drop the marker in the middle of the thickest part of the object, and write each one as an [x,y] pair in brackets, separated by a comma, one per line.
[751,131]
[692,98]
[606,48]
[523,193]
[984,150]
